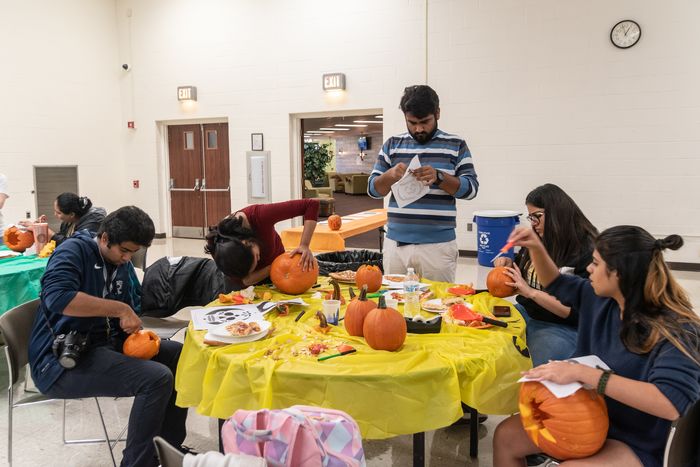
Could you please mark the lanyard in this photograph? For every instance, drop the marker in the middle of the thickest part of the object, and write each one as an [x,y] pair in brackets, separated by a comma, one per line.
[108,281]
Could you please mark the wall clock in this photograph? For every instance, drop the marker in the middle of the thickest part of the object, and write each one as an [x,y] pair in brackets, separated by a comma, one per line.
[625,34]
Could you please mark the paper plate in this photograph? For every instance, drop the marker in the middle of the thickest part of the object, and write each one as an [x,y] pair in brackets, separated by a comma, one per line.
[220,332]
[434,306]
[235,340]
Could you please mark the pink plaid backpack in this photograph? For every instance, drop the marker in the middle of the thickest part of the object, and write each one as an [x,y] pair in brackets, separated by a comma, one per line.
[299,436]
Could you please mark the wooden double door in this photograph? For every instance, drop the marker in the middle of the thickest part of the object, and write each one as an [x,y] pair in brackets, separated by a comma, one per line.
[199,177]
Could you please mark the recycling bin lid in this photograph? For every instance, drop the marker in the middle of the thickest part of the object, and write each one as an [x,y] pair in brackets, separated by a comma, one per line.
[497,213]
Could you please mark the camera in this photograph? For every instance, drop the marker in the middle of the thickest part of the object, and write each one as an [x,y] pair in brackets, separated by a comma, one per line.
[68,348]
[126,67]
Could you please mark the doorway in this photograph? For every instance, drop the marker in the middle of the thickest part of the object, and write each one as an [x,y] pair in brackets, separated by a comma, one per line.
[49,182]
[198,156]
[354,140]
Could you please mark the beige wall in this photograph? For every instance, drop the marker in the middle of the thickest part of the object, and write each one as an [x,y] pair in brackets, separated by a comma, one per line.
[536,89]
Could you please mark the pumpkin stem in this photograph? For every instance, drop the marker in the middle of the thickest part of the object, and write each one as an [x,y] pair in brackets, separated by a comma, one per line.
[382,301]
[322,319]
[336,290]
[363,293]
[352,293]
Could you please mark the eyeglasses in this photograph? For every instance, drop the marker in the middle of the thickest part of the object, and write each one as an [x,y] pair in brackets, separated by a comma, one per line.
[535,217]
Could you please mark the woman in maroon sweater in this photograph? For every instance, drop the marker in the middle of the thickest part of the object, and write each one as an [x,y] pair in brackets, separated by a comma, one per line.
[245,243]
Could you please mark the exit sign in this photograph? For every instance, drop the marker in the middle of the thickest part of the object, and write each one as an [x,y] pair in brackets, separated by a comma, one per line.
[187,93]
[333,81]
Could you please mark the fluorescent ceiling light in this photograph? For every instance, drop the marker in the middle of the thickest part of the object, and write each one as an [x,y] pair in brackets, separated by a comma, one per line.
[350,125]
[379,116]
[335,129]
[368,121]
[322,131]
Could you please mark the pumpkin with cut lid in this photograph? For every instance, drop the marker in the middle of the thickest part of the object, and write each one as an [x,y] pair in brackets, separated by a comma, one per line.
[288,276]
[18,239]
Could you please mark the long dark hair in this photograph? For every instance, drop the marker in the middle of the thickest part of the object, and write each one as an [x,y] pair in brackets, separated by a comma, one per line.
[70,203]
[656,306]
[229,245]
[568,234]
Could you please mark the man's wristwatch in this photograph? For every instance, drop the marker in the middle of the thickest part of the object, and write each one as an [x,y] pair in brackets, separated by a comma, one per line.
[439,177]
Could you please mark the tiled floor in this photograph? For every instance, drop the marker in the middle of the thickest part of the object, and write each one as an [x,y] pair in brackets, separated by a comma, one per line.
[37,428]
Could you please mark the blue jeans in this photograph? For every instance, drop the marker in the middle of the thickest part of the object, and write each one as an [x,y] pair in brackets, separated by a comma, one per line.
[104,372]
[548,341]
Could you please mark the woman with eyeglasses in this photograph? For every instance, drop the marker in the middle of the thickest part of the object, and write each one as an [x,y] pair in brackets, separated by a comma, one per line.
[567,236]
[640,322]
[245,243]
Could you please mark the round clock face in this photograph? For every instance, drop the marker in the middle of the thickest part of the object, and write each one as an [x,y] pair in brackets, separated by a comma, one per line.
[625,34]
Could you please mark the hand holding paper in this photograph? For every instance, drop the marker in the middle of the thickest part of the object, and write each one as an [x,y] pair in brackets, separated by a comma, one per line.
[565,390]
[409,189]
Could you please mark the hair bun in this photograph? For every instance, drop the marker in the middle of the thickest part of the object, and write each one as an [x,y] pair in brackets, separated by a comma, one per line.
[672,242]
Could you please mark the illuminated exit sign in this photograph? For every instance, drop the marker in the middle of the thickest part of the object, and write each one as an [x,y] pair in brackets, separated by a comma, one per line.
[187,93]
[333,81]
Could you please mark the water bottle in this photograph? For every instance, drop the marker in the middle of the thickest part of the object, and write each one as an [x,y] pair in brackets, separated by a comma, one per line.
[411,306]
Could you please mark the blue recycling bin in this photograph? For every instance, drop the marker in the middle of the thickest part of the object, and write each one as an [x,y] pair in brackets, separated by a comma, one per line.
[492,231]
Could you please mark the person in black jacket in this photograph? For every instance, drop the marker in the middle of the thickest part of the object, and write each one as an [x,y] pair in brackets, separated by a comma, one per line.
[76,213]
[568,237]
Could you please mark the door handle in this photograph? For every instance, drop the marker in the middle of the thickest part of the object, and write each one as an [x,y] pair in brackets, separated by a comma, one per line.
[210,190]
[196,184]
[171,186]
[204,184]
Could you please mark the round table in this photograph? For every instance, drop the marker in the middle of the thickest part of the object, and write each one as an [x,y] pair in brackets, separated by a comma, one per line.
[416,389]
[20,279]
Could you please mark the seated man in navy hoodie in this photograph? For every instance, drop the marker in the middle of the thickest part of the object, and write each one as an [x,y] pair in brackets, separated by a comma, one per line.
[90,288]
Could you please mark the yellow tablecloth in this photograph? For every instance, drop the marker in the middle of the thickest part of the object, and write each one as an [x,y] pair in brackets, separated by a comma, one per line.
[418,388]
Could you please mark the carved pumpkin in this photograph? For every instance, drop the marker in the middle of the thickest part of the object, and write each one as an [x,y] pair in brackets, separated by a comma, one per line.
[335,222]
[356,312]
[288,277]
[143,344]
[17,239]
[368,275]
[496,283]
[568,428]
[335,294]
[384,328]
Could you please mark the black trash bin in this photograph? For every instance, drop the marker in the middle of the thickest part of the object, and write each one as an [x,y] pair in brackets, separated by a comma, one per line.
[343,260]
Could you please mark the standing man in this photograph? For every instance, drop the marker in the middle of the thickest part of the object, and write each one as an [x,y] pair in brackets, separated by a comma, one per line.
[422,234]
[89,299]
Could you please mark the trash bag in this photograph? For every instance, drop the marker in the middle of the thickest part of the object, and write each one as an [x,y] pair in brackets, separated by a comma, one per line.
[343,260]
[172,283]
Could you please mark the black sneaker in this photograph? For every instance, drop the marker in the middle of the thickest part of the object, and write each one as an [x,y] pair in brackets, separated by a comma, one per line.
[536,459]
[187,450]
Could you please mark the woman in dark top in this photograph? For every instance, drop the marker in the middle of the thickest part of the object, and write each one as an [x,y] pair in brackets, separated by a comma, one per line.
[75,213]
[245,243]
[639,321]
[568,237]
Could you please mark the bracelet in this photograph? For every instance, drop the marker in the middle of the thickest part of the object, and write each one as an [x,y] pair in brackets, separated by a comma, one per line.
[603,381]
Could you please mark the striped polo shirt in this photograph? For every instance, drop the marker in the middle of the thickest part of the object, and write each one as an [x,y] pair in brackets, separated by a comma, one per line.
[431,219]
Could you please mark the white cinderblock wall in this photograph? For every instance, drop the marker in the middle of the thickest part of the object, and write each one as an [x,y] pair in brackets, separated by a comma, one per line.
[536,88]
[61,101]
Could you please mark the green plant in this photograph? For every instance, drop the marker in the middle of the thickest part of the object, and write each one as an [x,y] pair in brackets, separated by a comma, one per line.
[316,158]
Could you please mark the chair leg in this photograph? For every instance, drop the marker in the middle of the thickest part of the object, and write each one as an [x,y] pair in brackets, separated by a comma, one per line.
[104,428]
[10,403]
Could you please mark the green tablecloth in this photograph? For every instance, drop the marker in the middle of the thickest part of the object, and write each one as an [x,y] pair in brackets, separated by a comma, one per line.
[19,279]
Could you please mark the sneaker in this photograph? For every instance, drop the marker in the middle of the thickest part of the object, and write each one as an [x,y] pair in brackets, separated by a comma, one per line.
[536,459]
[188,450]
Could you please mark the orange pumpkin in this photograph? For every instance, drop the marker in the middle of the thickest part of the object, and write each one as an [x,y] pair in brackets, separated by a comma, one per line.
[335,222]
[369,275]
[569,428]
[356,312]
[17,239]
[496,283]
[288,277]
[143,344]
[384,328]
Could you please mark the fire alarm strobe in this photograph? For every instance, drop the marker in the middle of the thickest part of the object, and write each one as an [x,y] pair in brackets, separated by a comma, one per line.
[130,125]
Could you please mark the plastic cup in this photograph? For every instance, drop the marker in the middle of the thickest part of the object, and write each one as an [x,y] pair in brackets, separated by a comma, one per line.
[41,235]
[331,310]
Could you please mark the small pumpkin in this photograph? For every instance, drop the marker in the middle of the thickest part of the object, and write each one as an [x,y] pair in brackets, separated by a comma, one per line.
[335,294]
[369,275]
[496,282]
[335,222]
[288,277]
[384,328]
[143,344]
[17,239]
[357,311]
[569,428]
